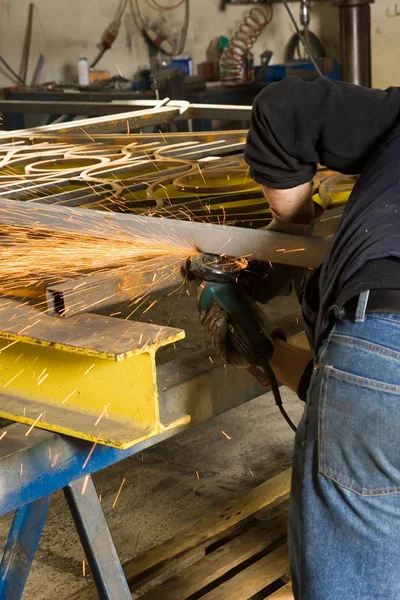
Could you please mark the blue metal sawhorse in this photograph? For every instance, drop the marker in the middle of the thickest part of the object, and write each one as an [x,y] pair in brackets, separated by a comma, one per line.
[30,495]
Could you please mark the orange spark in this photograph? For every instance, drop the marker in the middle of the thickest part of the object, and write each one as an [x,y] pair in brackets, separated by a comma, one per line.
[118,493]
[33,424]
[12,378]
[85,484]
[89,455]
[69,396]
[102,414]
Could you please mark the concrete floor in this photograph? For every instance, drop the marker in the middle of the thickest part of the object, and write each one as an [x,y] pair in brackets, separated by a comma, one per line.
[162,494]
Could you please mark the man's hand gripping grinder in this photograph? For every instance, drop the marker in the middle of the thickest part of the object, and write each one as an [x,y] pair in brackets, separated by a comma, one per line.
[219,280]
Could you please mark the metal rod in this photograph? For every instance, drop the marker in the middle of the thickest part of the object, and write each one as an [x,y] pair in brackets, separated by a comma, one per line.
[118,122]
[296,250]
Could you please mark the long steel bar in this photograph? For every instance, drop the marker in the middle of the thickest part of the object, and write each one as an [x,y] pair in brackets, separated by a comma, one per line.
[261,245]
[118,122]
[98,291]
[195,111]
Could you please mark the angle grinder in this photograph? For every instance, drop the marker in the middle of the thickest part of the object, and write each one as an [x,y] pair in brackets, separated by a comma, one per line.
[220,280]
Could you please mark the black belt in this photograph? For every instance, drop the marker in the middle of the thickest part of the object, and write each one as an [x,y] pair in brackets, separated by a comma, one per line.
[379,301]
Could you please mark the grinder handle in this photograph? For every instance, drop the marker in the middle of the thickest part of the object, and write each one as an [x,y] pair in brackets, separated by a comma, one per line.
[247,324]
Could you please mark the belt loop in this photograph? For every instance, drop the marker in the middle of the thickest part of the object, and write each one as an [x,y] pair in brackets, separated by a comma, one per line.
[362,307]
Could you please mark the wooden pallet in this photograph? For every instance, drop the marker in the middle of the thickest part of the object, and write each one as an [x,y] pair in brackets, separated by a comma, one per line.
[239,553]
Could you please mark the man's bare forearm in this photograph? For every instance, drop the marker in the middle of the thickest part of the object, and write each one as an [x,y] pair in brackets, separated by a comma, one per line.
[294,205]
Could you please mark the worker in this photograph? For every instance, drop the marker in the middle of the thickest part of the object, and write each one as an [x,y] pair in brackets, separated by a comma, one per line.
[344,517]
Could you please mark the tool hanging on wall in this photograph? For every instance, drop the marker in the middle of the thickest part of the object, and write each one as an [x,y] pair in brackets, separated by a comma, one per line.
[156,38]
[233,59]
[111,33]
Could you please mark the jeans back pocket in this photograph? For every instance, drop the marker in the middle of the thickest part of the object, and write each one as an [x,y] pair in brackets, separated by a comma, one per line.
[359,433]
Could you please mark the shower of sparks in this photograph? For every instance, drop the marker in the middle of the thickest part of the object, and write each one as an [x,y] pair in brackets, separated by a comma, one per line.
[228,437]
[3,434]
[33,424]
[118,493]
[133,265]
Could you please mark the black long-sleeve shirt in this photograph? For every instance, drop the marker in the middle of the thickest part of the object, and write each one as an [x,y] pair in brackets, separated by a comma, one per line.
[296,125]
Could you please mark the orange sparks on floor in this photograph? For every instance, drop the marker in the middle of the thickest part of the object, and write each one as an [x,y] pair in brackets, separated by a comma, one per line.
[228,437]
[118,493]
[84,568]
[250,471]
[197,475]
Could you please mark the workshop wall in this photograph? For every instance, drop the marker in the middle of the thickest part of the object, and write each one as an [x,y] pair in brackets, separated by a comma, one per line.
[385,43]
[65,30]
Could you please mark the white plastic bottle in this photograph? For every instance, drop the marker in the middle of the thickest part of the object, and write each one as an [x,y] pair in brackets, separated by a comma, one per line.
[83,71]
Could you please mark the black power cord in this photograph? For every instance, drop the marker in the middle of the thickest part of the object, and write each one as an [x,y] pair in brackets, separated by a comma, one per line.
[277,394]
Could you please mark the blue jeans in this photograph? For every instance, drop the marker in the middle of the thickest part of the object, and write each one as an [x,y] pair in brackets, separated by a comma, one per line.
[344,521]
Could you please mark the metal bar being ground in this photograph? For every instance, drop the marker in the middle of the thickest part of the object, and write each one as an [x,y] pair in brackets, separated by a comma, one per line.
[296,250]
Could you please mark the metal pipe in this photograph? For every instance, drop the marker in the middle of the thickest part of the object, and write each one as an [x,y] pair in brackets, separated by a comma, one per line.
[355,40]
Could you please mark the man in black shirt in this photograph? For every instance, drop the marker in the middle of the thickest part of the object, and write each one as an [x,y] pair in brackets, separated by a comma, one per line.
[345,502]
